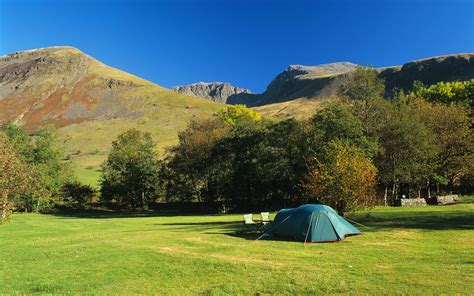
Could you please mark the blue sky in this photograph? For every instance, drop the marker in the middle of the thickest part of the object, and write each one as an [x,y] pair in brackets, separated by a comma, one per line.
[246,42]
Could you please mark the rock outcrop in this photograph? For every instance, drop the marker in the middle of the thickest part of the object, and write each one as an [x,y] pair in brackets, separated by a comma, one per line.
[214,91]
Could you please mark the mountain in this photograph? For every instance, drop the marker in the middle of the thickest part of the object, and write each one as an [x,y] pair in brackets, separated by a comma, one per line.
[298,81]
[90,102]
[214,91]
[310,82]
[456,67]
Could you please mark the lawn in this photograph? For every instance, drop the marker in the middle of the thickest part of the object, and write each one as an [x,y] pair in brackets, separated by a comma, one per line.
[422,250]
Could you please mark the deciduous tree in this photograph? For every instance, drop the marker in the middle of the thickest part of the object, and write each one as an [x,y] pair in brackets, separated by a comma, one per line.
[130,173]
[342,177]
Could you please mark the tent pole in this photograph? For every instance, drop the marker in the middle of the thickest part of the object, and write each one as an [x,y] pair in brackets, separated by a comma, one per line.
[307,231]
[275,227]
[356,222]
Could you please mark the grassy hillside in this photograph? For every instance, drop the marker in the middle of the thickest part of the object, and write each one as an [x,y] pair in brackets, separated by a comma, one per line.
[300,108]
[421,250]
[90,102]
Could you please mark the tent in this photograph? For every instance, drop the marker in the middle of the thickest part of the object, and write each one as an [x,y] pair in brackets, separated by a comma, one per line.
[310,223]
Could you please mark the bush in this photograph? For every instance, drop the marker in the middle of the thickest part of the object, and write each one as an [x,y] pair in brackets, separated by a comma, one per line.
[77,193]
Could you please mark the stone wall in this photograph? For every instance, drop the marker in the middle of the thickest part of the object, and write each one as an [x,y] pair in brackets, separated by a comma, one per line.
[447,199]
[407,202]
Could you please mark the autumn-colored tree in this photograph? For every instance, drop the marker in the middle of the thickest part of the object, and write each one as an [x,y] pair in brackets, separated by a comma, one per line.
[8,175]
[21,186]
[42,153]
[343,178]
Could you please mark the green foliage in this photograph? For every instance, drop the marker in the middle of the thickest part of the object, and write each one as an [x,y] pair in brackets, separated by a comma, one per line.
[244,162]
[239,115]
[337,122]
[190,163]
[407,147]
[453,136]
[130,174]
[364,85]
[461,92]
[20,140]
[364,90]
[49,160]
[243,167]
[77,193]
[42,160]
[41,151]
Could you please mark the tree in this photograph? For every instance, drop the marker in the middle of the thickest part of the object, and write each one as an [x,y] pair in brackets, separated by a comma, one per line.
[9,175]
[261,166]
[239,115]
[48,157]
[21,187]
[457,92]
[453,136]
[189,164]
[43,153]
[342,177]
[363,90]
[131,172]
[20,140]
[407,148]
[337,122]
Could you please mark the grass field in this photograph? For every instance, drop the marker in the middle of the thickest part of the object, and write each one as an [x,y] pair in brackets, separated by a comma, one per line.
[423,250]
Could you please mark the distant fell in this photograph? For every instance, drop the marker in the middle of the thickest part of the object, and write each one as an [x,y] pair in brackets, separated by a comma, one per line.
[214,91]
[313,82]
[89,101]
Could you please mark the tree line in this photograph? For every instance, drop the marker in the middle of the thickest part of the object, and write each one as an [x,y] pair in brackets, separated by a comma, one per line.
[358,147]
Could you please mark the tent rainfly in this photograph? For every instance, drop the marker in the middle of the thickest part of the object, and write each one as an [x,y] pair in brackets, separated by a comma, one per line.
[310,223]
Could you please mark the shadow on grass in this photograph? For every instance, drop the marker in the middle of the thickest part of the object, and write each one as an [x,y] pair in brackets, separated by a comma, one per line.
[106,213]
[426,219]
[423,220]
[230,228]
[430,220]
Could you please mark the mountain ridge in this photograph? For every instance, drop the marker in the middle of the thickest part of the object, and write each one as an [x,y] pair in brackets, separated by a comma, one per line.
[214,91]
[312,82]
[90,102]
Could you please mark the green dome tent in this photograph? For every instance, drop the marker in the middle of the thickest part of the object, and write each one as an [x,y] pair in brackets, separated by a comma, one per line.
[310,223]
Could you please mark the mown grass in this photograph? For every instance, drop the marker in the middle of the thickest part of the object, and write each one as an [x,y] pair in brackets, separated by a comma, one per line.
[423,250]
[88,176]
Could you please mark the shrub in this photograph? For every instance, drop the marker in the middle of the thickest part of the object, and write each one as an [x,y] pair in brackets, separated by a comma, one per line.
[77,192]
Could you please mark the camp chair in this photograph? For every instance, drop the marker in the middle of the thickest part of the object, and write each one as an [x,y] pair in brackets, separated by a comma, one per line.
[265,218]
[249,222]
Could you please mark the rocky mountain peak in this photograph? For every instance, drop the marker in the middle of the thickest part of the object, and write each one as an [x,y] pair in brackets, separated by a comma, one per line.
[214,91]
[320,70]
